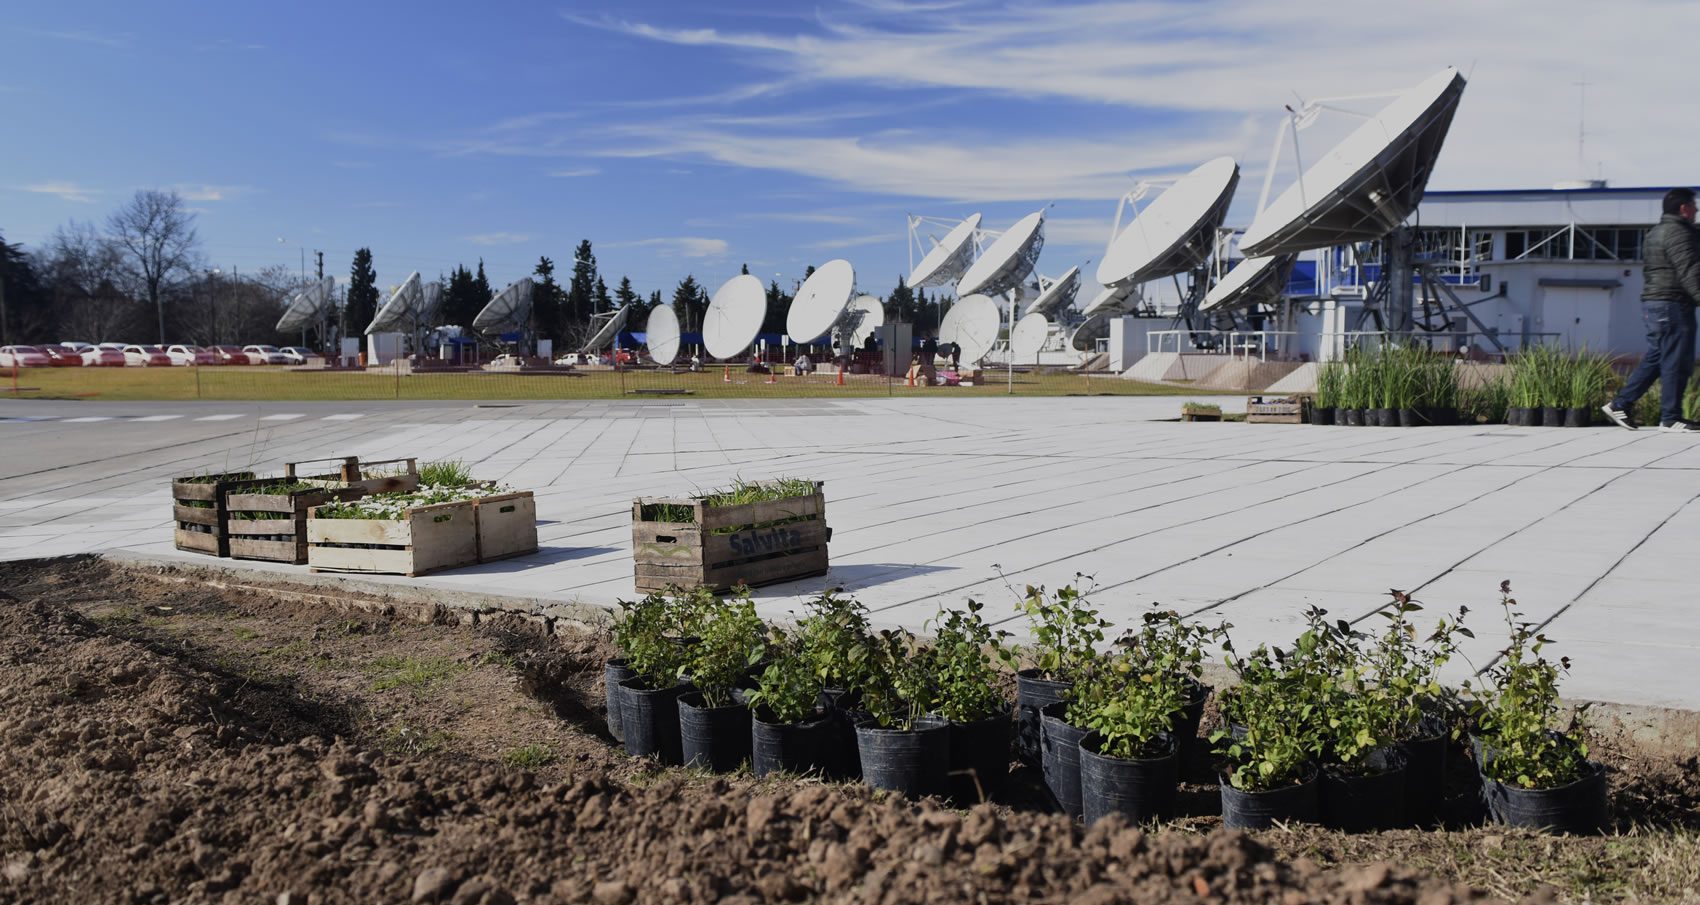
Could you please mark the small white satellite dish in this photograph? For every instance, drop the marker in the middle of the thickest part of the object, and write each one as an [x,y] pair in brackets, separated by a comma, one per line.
[1058,295]
[869,315]
[1175,233]
[734,317]
[1008,261]
[614,323]
[510,309]
[821,301]
[1369,183]
[310,305]
[972,323]
[662,334]
[396,314]
[949,257]
[1251,282]
[1029,336]
[296,316]
[1112,300]
[1085,337]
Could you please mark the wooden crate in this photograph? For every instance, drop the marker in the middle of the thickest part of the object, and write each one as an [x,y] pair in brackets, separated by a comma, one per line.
[1282,410]
[350,472]
[426,539]
[1189,413]
[753,544]
[203,528]
[276,539]
[507,525]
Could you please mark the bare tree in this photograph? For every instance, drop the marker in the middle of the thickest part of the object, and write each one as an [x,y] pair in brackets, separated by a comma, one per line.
[85,272]
[159,243]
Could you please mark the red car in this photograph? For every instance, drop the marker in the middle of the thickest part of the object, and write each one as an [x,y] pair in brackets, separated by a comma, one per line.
[61,357]
[95,356]
[231,355]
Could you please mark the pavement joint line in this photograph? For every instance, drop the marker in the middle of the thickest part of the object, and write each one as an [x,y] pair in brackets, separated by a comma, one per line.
[224,417]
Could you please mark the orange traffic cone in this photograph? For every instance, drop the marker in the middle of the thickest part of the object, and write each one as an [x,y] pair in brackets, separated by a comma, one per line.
[726,376]
[909,379]
[840,376]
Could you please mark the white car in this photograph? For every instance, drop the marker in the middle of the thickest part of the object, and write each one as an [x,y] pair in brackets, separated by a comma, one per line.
[186,355]
[96,356]
[23,357]
[146,356]
[266,355]
[299,355]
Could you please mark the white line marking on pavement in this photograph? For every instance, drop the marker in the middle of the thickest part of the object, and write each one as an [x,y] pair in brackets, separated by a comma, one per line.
[217,417]
[345,417]
[88,419]
[157,418]
[281,417]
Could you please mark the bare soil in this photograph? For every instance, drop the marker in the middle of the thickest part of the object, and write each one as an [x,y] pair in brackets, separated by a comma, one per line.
[164,740]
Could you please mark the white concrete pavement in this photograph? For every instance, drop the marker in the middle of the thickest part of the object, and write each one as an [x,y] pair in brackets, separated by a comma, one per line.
[930,500]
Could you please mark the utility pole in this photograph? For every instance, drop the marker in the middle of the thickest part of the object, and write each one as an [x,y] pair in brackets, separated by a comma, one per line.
[5,328]
[321,256]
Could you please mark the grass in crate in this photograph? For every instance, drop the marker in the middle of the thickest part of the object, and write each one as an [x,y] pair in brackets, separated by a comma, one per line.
[740,493]
[395,505]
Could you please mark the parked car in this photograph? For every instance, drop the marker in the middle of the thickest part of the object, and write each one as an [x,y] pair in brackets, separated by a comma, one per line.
[300,355]
[96,356]
[191,355]
[146,356]
[232,355]
[23,357]
[61,357]
[266,355]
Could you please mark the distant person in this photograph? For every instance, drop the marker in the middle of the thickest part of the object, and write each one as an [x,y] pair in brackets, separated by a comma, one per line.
[696,362]
[929,356]
[955,356]
[1670,290]
[803,365]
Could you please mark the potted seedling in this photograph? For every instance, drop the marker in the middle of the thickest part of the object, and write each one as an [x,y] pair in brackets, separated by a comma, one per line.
[1171,649]
[649,700]
[901,747]
[1270,747]
[1330,380]
[714,726]
[1128,758]
[1065,633]
[1407,668]
[1591,383]
[837,644]
[791,730]
[1535,775]
[964,655]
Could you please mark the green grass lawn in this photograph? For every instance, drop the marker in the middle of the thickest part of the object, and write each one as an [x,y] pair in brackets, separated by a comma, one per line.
[260,383]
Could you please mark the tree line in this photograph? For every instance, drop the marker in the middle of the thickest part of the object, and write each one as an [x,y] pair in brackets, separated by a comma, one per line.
[142,274]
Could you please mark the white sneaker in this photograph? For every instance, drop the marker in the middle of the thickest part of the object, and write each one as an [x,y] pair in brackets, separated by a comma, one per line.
[1618,416]
[1680,427]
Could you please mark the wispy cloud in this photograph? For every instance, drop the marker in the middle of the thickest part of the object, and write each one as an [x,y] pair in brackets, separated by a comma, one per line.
[83,37]
[575,172]
[894,238]
[65,191]
[679,246]
[497,238]
[204,192]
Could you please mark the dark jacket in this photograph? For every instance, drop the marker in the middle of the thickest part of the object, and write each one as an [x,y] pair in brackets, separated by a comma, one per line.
[1672,255]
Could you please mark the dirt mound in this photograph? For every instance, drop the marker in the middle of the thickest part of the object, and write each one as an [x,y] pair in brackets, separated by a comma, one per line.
[144,757]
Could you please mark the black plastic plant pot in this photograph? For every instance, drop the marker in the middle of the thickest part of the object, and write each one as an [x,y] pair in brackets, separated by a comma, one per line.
[1243,810]
[1350,417]
[1188,746]
[913,761]
[1425,772]
[1060,758]
[1364,801]
[615,671]
[1579,417]
[843,709]
[650,718]
[1321,417]
[1412,418]
[1516,416]
[798,748]
[1139,789]
[1386,417]
[1552,416]
[1578,808]
[714,738]
[979,758]
[1033,694]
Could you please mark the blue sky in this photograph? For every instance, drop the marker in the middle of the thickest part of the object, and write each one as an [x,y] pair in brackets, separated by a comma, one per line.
[691,138]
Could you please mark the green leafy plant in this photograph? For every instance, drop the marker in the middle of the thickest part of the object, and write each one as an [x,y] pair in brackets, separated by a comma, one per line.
[1518,713]
[650,632]
[1330,382]
[836,640]
[1129,706]
[450,473]
[963,658]
[1486,401]
[1592,381]
[899,687]
[787,689]
[733,639]
[1277,742]
[1066,632]
[1407,671]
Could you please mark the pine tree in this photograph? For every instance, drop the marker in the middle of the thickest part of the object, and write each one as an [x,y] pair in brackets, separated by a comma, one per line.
[625,296]
[581,290]
[461,300]
[362,303]
[482,285]
[778,304]
[685,298]
[900,304]
[546,298]
[745,271]
[604,304]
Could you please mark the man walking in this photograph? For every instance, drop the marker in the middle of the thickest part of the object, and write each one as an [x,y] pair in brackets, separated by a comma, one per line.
[1671,288]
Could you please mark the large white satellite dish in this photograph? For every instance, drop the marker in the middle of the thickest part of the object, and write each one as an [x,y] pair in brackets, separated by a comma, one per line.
[297,315]
[430,304]
[1112,300]
[972,323]
[615,322]
[1085,337]
[310,305]
[734,316]
[1251,282]
[949,257]
[821,301]
[1058,295]
[868,315]
[396,315]
[1369,183]
[1029,336]
[510,309]
[1008,261]
[662,334]
[1175,233]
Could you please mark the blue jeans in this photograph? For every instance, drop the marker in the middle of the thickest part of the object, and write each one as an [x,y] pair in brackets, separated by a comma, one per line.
[1669,358]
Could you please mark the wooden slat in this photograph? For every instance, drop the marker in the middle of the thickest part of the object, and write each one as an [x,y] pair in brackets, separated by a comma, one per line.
[356,559]
[195,515]
[507,525]
[244,526]
[289,551]
[768,571]
[397,533]
[263,502]
[764,511]
[198,492]
[444,536]
[740,546]
[196,542]
[675,533]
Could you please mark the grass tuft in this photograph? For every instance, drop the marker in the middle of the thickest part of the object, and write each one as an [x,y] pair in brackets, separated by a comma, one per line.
[418,673]
[530,757]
